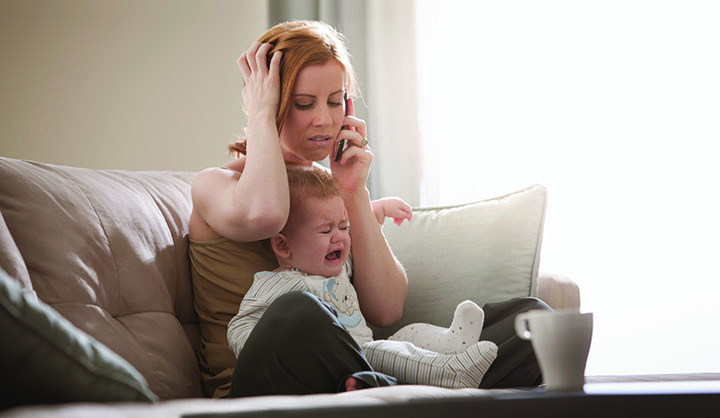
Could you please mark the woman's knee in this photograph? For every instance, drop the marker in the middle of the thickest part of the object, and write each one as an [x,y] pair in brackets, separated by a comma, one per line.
[533,303]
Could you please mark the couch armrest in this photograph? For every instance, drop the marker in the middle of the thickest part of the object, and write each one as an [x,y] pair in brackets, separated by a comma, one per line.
[558,291]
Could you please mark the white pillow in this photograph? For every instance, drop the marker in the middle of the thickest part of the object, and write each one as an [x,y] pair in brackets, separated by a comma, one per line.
[487,251]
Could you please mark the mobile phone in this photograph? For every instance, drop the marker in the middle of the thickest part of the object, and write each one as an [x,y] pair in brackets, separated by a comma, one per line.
[341,144]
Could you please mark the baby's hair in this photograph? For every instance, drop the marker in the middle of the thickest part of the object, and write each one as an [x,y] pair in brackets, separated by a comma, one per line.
[308,183]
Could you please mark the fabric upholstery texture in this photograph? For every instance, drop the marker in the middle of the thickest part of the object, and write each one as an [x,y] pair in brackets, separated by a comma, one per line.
[487,251]
[11,260]
[108,250]
[54,358]
[413,365]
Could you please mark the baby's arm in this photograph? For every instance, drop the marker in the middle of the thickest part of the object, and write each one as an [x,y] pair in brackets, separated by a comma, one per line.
[391,207]
[258,298]
[239,328]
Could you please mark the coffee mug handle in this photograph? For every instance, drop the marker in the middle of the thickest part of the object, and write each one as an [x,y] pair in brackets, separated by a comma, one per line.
[521,326]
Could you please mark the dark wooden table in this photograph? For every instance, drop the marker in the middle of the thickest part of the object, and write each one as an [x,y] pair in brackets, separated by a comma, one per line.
[698,398]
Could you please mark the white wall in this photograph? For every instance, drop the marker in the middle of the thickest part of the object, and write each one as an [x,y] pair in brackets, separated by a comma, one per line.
[133,84]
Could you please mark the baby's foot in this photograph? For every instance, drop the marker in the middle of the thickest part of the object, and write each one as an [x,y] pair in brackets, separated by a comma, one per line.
[352,383]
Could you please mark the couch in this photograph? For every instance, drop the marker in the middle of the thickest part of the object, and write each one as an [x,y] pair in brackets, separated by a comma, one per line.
[97,305]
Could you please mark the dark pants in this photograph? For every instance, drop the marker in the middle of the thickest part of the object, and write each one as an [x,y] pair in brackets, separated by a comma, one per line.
[515,365]
[300,347]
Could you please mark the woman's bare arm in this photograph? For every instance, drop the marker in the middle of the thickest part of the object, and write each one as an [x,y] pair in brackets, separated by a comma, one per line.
[255,204]
[379,279]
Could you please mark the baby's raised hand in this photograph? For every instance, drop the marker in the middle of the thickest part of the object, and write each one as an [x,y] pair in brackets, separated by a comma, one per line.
[391,207]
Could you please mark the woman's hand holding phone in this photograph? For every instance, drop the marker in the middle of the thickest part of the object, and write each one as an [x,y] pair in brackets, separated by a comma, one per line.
[352,167]
[341,143]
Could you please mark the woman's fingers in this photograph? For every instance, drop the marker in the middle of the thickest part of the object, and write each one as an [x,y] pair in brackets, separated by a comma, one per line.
[352,123]
[243,65]
[363,154]
[261,58]
[356,125]
[255,60]
[353,138]
[251,52]
[275,64]
[350,111]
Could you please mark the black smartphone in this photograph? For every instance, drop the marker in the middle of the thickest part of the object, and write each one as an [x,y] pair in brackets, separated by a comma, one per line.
[341,144]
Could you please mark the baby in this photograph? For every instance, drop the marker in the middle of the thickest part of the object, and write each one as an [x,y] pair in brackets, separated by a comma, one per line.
[313,251]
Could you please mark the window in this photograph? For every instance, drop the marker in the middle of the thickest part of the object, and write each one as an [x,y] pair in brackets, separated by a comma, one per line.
[615,107]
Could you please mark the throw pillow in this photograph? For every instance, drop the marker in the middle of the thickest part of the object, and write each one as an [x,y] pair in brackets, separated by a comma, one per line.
[45,359]
[487,251]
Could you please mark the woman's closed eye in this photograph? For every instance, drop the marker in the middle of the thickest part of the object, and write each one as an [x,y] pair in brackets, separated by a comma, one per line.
[306,106]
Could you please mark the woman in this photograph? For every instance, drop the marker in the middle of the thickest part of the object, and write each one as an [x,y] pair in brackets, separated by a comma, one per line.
[296,78]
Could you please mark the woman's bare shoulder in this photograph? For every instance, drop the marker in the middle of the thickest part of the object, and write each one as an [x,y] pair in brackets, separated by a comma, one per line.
[207,187]
[230,170]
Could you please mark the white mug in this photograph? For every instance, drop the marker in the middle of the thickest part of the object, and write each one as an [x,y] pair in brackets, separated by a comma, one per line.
[561,340]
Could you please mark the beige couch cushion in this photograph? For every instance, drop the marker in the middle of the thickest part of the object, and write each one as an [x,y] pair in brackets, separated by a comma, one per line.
[487,251]
[108,250]
[45,352]
[11,260]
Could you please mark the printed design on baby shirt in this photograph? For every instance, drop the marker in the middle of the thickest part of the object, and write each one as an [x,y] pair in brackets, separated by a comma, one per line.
[341,295]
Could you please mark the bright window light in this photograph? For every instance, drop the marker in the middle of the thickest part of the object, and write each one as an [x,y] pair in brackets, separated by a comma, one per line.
[615,107]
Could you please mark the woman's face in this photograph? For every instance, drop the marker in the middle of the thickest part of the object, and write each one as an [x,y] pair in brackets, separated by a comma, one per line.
[315,115]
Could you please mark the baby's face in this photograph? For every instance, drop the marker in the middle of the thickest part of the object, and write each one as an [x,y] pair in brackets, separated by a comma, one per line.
[319,238]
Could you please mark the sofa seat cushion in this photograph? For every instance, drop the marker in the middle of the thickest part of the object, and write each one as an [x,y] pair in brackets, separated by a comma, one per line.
[108,250]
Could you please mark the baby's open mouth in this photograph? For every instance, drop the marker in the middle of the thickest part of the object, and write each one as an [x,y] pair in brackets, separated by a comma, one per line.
[333,255]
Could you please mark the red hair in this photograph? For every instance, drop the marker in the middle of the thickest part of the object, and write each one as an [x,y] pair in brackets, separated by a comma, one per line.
[302,43]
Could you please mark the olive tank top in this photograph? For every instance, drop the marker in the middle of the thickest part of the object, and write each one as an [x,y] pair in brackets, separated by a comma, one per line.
[222,273]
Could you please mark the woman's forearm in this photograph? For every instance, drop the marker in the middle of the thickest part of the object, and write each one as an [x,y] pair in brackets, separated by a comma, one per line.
[262,189]
[378,277]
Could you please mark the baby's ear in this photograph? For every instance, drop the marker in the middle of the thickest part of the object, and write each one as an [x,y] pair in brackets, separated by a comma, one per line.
[280,246]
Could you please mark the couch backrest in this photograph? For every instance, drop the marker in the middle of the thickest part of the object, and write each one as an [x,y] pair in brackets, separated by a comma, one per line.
[108,250]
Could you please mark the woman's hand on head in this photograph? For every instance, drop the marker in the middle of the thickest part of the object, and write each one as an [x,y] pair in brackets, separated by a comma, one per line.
[261,92]
[351,172]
